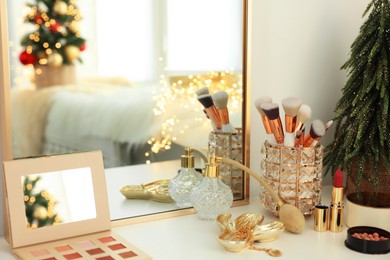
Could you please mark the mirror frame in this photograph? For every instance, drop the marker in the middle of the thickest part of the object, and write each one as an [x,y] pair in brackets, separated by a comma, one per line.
[6,152]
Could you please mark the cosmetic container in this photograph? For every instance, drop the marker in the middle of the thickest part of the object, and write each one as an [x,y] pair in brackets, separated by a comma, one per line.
[295,174]
[229,145]
[182,185]
[211,197]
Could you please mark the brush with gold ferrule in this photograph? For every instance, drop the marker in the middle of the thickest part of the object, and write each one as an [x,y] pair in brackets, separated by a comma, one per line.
[264,118]
[304,114]
[208,104]
[317,130]
[291,107]
[220,99]
[271,110]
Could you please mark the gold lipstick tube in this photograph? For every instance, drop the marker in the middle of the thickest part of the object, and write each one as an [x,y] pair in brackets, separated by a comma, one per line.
[336,210]
[277,130]
[213,115]
[224,115]
[321,218]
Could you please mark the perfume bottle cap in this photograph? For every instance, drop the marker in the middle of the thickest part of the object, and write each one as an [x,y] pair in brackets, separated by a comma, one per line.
[187,161]
[212,171]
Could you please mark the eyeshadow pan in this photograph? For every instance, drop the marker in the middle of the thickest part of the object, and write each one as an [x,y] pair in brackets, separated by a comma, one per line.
[63,248]
[72,256]
[40,252]
[95,251]
[116,247]
[84,244]
[106,239]
[105,258]
[127,254]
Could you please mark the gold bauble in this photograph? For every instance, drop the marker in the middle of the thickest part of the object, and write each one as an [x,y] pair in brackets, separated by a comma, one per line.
[60,7]
[40,212]
[54,59]
[72,52]
[74,27]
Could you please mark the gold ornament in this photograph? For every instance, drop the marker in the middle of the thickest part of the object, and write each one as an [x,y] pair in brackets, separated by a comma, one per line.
[54,59]
[60,7]
[72,52]
[74,27]
[40,212]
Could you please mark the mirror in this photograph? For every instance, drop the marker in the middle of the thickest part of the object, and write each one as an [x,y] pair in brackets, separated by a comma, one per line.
[170,73]
[54,197]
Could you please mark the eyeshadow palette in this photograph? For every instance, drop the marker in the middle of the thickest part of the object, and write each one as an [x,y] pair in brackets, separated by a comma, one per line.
[100,246]
[82,228]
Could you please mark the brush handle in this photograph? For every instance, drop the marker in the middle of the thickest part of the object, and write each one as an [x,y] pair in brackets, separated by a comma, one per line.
[289,139]
[256,176]
[271,139]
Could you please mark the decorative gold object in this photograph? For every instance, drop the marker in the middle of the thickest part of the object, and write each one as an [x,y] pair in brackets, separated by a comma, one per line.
[229,145]
[155,191]
[245,230]
[295,173]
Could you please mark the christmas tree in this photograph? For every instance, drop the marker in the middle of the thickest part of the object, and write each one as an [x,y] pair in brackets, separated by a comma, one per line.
[362,133]
[56,38]
[39,205]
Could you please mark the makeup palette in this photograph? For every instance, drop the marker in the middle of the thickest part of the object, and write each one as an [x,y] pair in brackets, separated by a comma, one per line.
[74,178]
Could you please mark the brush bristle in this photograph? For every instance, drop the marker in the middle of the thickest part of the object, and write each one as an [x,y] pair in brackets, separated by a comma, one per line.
[317,128]
[271,110]
[291,105]
[202,91]
[328,124]
[206,100]
[221,99]
[304,113]
[260,101]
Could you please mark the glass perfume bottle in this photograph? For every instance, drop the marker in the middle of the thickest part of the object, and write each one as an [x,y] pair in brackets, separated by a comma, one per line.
[211,197]
[181,186]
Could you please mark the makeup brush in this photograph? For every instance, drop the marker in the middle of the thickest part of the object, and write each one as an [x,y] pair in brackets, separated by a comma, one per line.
[271,110]
[220,101]
[291,106]
[264,118]
[328,125]
[212,124]
[202,91]
[211,110]
[304,114]
[317,130]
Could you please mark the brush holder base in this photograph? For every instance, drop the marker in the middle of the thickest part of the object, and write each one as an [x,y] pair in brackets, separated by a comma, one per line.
[229,145]
[295,174]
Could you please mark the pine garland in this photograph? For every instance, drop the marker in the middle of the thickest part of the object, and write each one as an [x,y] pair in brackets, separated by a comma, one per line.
[362,118]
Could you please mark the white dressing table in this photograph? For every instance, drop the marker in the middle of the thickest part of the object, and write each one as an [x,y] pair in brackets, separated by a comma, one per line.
[187,237]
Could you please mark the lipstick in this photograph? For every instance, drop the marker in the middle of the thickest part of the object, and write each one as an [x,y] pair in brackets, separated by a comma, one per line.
[271,110]
[337,203]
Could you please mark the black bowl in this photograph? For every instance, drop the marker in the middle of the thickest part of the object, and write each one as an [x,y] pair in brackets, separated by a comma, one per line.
[368,246]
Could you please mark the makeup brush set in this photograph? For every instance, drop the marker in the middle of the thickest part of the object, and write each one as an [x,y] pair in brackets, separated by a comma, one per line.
[215,108]
[296,118]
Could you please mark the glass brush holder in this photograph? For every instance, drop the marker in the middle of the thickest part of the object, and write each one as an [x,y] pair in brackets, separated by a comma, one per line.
[295,174]
[229,145]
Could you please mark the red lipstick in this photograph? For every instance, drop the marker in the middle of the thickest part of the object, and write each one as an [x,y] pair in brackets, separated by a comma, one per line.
[337,203]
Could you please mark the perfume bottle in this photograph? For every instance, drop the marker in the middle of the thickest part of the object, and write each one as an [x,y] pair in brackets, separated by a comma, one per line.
[211,197]
[181,186]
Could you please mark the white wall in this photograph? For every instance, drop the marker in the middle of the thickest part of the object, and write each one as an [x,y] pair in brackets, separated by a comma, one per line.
[297,50]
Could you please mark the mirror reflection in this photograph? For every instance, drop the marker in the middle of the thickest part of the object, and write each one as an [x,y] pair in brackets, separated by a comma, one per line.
[54,197]
[133,95]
